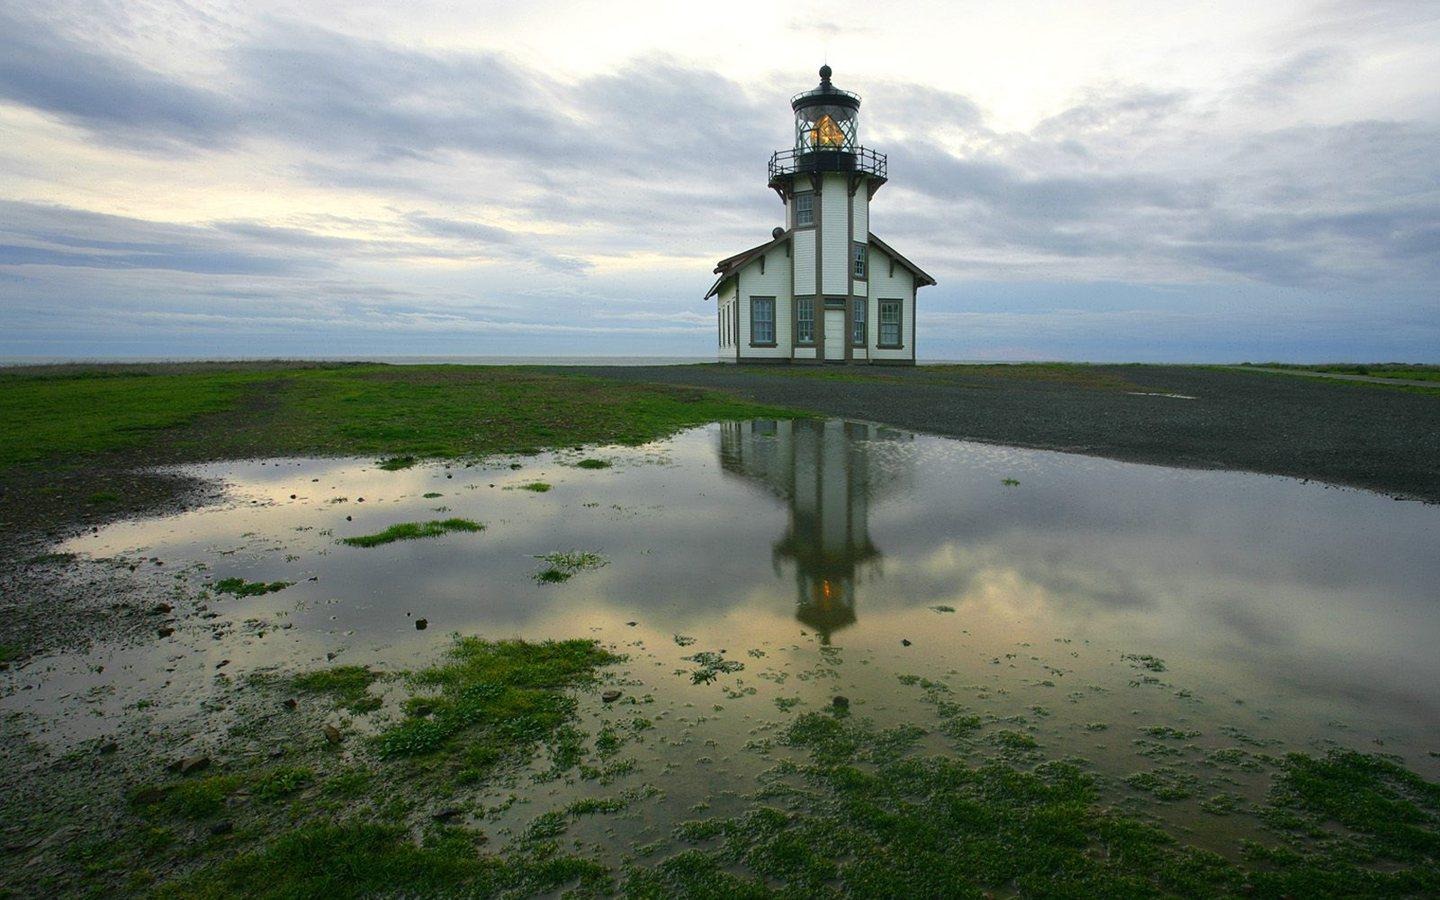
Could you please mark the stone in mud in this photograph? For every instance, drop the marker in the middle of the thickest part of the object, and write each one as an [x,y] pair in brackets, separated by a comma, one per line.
[421,624]
[840,702]
[332,734]
[222,664]
[225,826]
[446,815]
[191,764]
[290,702]
[161,609]
[164,631]
[610,696]
[904,642]
[108,748]
[632,624]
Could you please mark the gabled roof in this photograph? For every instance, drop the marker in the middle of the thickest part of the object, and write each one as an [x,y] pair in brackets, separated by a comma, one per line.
[921,276]
[732,264]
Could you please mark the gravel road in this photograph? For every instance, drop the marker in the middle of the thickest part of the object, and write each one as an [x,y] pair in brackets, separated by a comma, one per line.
[1374,437]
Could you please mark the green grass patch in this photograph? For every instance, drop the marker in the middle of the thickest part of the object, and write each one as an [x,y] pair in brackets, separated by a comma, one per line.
[348,685]
[505,696]
[536,487]
[594,464]
[431,495]
[195,799]
[242,588]
[396,463]
[561,566]
[409,531]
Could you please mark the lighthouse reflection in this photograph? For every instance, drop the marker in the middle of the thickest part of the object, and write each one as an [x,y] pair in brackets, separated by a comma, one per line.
[830,474]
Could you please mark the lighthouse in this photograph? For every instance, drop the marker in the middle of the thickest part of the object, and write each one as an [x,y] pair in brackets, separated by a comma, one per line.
[823,288]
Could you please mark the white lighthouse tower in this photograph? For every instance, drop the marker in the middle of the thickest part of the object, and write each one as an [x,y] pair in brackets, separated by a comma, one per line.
[824,288]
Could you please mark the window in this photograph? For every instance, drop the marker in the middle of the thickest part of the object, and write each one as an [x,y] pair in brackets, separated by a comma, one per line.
[857,323]
[889,323]
[805,320]
[858,255]
[762,321]
[805,209]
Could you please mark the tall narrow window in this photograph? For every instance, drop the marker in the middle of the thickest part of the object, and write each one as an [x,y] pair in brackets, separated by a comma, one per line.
[805,209]
[857,323]
[858,255]
[890,323]
[762,321]
[805,320]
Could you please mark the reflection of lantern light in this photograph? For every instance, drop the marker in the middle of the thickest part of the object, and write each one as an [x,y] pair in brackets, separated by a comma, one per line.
[825,588]
[827,134]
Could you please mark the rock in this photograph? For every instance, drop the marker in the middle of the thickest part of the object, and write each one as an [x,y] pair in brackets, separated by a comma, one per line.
[330,655]
[108,748]
[840,702]
[224,826]
[359,499]
[161,609]
[349,518]
[191,764]
[291,703]
[610,696]
[422,709]
[222,664]
[292,496]
[164,631]
[446,814]
[632,624]
[421,624]
[276,752]
[332,734]
[904,642]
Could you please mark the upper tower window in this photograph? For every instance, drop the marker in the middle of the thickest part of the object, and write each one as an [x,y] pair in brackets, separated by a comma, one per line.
[858,256]
[805,209]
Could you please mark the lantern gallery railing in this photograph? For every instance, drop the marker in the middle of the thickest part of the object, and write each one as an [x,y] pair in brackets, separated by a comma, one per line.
[788,163]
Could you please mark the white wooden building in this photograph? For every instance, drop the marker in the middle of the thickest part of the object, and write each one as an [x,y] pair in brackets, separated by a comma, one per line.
[824,288]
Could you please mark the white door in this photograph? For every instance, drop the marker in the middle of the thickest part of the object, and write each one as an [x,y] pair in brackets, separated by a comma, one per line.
[835,334]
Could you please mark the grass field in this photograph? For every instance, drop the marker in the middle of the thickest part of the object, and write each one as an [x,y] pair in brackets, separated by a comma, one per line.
[75,415]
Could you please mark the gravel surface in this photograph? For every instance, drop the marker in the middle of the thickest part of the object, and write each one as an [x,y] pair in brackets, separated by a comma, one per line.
[1376,437]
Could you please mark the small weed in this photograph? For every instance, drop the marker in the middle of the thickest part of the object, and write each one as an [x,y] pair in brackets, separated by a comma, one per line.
[1010,482]
[538,487]
[594,464]
[564,565]
[431,495]
[395,463]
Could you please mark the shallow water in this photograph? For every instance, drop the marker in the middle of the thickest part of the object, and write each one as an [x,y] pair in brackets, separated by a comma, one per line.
[1288,615]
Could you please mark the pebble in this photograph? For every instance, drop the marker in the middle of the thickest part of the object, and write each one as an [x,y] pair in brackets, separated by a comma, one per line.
[332,734]
[421,624]
[840,702]
[610,696]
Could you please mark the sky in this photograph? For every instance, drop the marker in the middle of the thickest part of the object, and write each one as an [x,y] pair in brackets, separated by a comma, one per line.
[1105,181]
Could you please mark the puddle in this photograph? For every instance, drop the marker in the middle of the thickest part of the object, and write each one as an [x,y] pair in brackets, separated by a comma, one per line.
[769,566]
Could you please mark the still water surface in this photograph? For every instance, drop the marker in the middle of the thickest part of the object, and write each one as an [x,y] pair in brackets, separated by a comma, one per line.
[831,557]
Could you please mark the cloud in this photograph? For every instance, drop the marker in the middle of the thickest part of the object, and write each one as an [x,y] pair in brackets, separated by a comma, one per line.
[291,163]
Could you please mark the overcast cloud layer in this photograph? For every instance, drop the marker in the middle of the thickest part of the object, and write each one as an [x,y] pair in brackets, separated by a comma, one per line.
[1117,182]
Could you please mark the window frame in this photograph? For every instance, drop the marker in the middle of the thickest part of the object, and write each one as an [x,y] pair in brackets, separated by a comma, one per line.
[755,303]
[810,210]
[899,305]
[859,316]
[860,260]
[800,339]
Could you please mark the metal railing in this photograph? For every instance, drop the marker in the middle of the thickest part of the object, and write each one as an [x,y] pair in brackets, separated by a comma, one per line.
[787,163]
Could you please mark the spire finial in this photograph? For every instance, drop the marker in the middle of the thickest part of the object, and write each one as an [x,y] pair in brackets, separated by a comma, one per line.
[825,74]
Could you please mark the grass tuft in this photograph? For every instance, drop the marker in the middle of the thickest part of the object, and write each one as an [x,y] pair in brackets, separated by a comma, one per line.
[242,588]
[409,531]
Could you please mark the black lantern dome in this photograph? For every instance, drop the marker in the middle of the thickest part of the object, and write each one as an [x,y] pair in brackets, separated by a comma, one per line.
[827,124]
